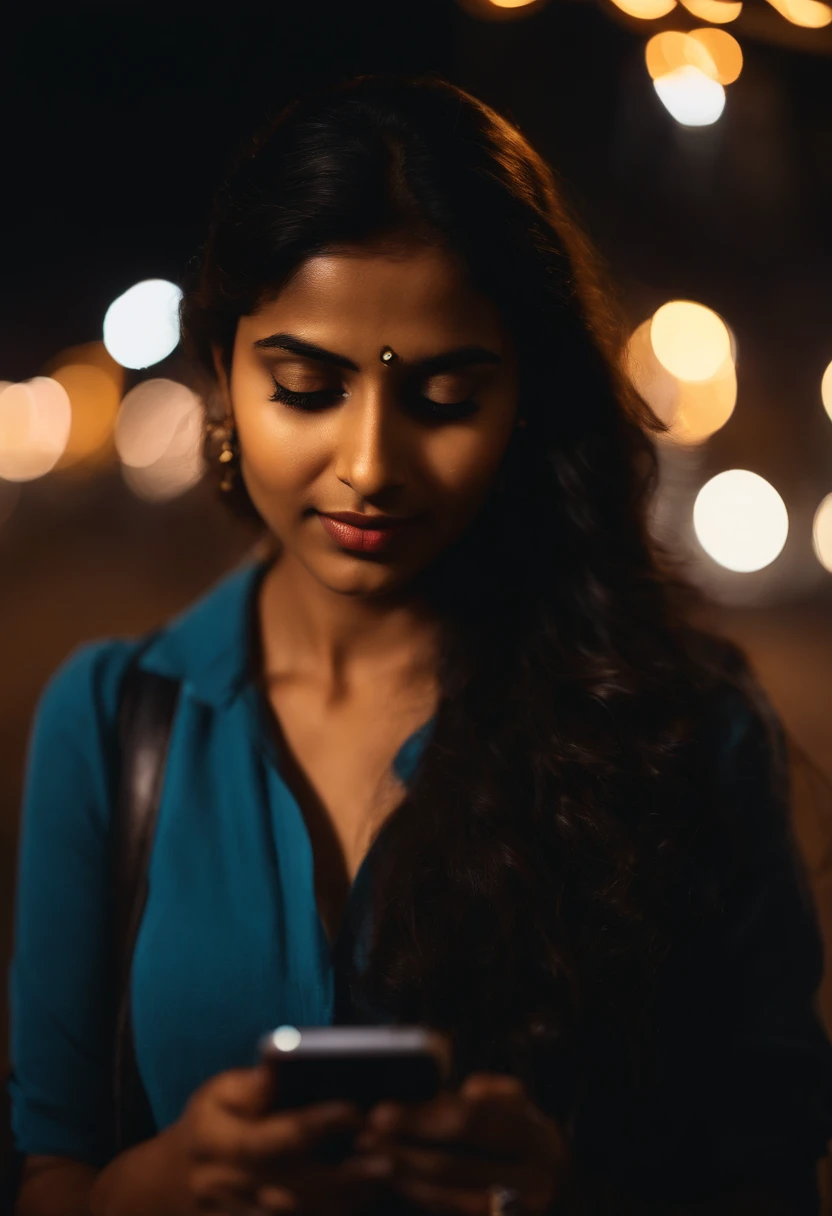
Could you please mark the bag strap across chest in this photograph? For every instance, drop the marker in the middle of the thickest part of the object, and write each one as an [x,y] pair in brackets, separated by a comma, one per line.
[146,710]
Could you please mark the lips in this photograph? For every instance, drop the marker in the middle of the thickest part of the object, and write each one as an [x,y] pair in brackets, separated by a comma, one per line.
[362,539]
[372,523]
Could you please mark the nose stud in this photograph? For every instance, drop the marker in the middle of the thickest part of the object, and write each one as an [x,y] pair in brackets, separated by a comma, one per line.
[387,354]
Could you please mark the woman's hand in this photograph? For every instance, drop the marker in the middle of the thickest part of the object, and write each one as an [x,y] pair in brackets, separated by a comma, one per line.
[490,1133]
[228,1154]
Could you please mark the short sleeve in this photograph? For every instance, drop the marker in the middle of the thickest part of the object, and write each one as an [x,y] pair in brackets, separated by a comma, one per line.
[60,984]
[772,1066]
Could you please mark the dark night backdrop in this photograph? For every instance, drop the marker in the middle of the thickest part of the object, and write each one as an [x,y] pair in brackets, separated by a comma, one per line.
[117,122]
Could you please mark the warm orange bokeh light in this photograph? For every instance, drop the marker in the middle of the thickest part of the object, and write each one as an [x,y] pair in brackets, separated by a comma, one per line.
[646,10]
[723,50]
[690,340]
[826,390]
[672,49]
[693,410]
[809,13]
[94,383]
[719,12]
[35,418]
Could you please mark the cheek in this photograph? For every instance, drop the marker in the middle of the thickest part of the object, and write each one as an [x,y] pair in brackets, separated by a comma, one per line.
[277,457]
[463,463]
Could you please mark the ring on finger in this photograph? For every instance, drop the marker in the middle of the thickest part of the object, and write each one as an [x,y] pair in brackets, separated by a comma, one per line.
[503,1201]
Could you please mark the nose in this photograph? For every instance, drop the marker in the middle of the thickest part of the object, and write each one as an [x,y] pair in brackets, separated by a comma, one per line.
[370,440]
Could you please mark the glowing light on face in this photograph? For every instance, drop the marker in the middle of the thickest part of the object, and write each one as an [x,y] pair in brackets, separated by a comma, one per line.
[740,520]
[141,327]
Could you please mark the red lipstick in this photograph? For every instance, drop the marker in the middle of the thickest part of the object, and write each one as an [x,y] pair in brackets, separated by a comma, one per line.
[362,533]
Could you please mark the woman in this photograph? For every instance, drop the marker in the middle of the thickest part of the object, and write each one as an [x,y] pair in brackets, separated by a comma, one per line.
[486,698]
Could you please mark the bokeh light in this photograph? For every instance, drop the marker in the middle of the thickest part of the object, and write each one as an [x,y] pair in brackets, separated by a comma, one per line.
[809,13]
[826,390]
[35,420]
[719,12]
[158,436]
[724,52]
[94,383]
[647,10]
[690,340]
[693,410]
[822,533]
[691,97]
[740,520]
[672,49]
[714,52]
[141,327]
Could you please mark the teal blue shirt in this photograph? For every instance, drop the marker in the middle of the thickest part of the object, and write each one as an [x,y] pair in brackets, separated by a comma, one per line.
[231,943]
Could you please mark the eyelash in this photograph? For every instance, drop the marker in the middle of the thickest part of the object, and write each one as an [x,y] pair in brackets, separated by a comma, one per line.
[310,402]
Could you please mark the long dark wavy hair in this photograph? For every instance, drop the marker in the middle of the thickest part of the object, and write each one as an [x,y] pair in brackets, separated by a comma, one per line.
[563,832]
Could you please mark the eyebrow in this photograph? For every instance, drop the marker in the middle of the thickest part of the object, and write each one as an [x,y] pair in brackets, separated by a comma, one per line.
[460,356]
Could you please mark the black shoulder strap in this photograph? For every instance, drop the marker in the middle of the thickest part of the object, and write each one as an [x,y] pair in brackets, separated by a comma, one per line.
[146,710]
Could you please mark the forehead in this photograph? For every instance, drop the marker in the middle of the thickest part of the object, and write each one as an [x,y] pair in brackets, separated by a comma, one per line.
[421,289]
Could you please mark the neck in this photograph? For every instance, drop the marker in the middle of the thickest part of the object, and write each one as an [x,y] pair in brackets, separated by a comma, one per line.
[341,642]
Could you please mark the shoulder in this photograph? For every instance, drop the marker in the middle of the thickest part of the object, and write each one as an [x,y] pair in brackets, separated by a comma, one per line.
[87,683]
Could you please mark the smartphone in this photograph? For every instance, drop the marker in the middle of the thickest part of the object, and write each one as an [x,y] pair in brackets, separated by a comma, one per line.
[361,1064]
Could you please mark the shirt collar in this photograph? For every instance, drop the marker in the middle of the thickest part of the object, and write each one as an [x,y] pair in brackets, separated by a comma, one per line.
[208,645]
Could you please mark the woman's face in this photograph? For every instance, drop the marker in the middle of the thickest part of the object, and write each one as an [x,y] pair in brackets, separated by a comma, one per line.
[396,438]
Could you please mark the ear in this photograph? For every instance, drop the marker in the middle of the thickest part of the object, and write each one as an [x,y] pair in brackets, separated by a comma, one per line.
[222,378]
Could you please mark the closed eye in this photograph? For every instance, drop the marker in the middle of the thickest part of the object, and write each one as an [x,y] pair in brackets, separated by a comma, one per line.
[312,402]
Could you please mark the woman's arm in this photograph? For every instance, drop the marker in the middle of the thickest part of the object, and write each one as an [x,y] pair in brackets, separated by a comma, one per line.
[148,1178]
[62,1001]
[56,1185]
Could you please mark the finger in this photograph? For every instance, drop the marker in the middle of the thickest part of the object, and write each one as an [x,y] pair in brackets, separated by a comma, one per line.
[248,1144]
[277,1199]
[498,1124]
[444,1200]
[456,1169]
[352,1183]
[439,1118]
[245,1091]
[498,1085]
[219,1188]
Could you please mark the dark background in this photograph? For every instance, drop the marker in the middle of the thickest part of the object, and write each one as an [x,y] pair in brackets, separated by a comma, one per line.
[117,123]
